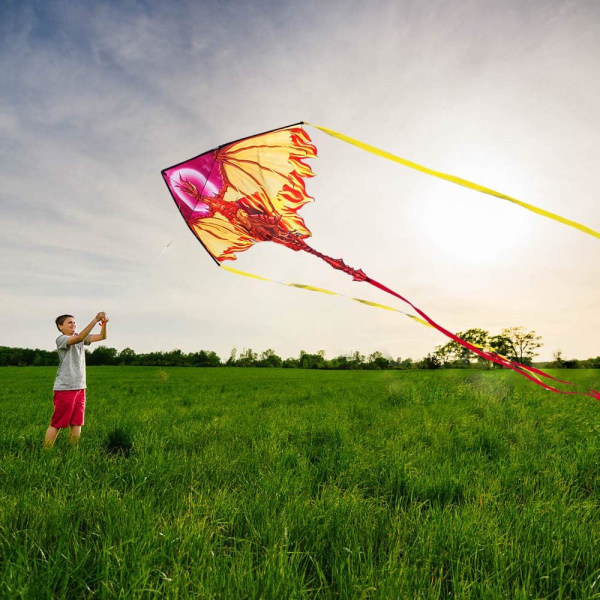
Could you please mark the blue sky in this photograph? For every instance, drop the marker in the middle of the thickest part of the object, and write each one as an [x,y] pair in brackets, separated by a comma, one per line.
[97,98]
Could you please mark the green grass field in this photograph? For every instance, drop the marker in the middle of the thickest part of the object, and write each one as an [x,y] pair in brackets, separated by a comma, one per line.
[265,483]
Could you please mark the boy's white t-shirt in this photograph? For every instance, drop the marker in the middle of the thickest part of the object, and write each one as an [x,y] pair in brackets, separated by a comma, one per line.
[71,367]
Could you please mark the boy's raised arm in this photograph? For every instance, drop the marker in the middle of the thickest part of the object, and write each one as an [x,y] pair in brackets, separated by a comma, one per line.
[80,337]
[98,337]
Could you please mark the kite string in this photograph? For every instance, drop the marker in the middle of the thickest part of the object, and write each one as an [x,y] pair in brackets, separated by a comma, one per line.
[454,179]
[129,288]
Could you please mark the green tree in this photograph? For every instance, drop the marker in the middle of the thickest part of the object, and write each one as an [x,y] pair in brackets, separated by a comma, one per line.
[446,353]
[500,345]
[431,361]
[290,363]
[406,363]
[522,344]
[102,355]
[247,358]
[476,336]
[356,360]
[127,356]
[232,358]
[340,362]
[376,360]
[453,352]
[268,358]
[203,359]
[559,361]
[174,358]
[312,361]
[592,363]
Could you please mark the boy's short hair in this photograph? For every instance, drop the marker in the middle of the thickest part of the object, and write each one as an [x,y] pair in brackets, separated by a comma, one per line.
[60,320]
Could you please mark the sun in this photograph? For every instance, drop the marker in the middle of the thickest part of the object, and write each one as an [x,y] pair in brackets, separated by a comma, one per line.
[467,227]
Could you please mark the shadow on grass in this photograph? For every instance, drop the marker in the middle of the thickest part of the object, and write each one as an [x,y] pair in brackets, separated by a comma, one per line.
[118,442]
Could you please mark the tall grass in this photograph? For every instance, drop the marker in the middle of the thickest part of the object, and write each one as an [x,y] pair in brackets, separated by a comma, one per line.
[260,483]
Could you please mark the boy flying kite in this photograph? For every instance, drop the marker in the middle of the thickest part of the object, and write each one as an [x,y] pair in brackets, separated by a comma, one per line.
[69,385]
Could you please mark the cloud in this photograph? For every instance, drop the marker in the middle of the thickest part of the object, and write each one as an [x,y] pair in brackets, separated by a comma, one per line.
[98,98]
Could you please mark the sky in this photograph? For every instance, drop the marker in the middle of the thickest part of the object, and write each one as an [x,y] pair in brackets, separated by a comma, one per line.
[98,98]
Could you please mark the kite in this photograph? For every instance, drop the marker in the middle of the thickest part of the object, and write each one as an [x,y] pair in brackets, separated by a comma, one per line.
[252,190]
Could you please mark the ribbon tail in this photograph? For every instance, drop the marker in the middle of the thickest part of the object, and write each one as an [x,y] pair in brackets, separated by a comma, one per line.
[528,372]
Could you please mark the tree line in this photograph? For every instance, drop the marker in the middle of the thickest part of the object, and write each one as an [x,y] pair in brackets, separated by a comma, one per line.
[515,343]
[103,355]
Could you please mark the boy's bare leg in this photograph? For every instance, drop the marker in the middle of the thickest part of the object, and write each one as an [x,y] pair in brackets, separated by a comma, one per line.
[74,434]
[50,438]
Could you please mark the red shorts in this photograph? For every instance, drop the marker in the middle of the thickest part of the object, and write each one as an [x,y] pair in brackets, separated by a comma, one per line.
[69,408]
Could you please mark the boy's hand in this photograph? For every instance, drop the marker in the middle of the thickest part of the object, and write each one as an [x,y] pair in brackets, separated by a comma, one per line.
[101,316]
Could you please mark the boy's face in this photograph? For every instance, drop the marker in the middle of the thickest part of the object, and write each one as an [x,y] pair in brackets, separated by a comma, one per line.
[68,326]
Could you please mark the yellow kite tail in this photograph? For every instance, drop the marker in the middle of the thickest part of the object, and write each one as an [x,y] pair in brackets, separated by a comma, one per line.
[312,288]
[457,180]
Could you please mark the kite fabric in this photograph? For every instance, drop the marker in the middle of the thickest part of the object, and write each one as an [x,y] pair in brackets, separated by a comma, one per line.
[252,190]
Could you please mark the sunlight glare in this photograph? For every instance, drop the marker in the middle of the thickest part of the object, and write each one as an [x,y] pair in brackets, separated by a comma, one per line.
[464,226]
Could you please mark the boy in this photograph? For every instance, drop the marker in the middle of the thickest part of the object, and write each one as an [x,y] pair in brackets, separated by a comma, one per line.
[69,385]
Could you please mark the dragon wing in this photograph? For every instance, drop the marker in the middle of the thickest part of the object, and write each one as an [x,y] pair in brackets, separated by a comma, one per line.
[263,173]
[268,172]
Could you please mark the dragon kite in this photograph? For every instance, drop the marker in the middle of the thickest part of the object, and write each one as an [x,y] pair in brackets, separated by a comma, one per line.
[251,190]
